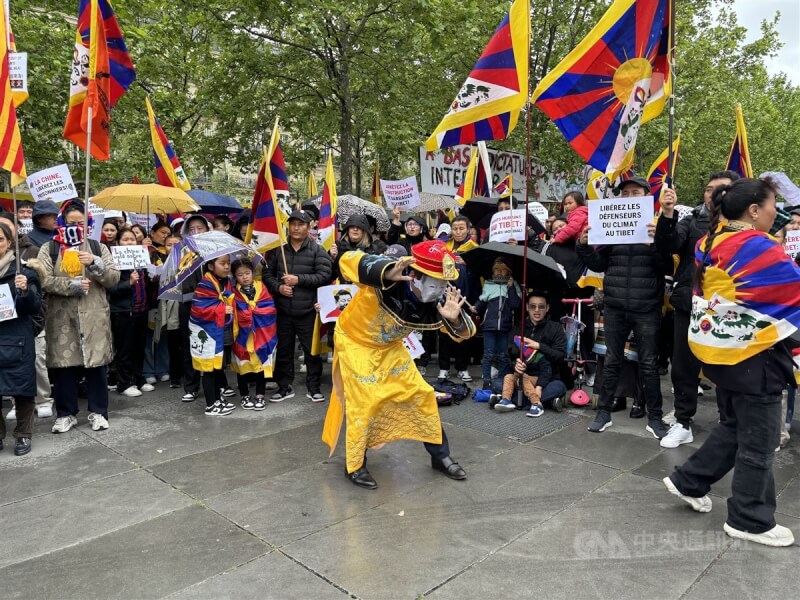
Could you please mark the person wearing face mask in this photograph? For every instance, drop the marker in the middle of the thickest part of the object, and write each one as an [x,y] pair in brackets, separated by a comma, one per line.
[24,216]
[375,386]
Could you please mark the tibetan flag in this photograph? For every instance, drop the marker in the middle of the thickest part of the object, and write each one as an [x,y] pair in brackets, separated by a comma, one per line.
[327,210]
[102,72]
[487,105]
[19,96]
[375,193]
[168,167]
[504,189]
[477,177]
[601,186]
[319,340]
[617,78]
[12,158]
[739,158]
[311,185]
[265,230]
[658,175]
[467,187]
[277,165]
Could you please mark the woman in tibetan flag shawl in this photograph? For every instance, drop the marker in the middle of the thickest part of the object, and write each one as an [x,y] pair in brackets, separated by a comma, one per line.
[745,308]
[376,386]
[212,312]
[254,338]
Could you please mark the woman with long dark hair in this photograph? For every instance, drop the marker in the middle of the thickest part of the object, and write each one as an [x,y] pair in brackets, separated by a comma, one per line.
[746,305]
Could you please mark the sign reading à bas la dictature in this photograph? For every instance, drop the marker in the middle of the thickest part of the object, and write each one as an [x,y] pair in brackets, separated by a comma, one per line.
[620,220]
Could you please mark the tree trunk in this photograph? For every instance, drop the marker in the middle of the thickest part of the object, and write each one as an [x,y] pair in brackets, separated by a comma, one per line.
[345,130]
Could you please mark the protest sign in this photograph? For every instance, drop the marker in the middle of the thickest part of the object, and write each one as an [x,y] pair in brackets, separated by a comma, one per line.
[98,216]
[620,220]
[18,71]
[146,221]
[507,225]
[792,245]
[127,258]
[413,345]
[53,184]
[401,194]
[7,309]
[538,211]
[333,299]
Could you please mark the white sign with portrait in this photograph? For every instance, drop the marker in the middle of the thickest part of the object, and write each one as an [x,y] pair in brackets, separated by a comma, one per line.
[333,299]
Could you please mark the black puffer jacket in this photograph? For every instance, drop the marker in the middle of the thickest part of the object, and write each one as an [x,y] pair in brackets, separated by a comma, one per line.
[681,237]
[311,264]
[634,274]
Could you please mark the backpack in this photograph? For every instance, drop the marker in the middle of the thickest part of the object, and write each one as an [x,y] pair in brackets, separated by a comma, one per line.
[448,392]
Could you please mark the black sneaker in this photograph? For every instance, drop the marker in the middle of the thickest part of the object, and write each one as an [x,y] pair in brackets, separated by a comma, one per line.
[637,411]
[248,404]
[228,392]
[174,385]
[259,404]
[282,394]
[558,404]
[601,422]
[619,403]
[22,446]
[189,397]
[315,397]
[217,409]
[657,428]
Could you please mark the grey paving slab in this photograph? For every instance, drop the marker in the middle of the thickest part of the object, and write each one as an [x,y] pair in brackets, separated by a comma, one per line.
[629,539]
[219,470]
[413,543]
[271,576]
[748,570]
[611,448]
[70,516]
[290,506]
[147,560]
[789,499]
[56,462]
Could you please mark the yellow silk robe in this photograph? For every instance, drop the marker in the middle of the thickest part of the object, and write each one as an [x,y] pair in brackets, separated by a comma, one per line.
[376,385]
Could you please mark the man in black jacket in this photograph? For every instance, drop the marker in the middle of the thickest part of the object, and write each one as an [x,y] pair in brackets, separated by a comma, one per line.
[673,236]
[295,293]
[634,293]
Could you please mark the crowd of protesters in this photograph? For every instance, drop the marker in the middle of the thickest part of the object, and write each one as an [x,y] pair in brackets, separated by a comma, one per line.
[83,327]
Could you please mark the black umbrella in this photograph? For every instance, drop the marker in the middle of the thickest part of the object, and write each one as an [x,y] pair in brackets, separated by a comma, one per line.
[478,209]
[543,272]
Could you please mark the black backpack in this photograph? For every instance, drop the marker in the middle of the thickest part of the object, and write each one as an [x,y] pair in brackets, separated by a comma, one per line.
[450,392]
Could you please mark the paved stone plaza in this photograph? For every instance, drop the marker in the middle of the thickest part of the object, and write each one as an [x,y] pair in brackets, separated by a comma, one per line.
[171,503]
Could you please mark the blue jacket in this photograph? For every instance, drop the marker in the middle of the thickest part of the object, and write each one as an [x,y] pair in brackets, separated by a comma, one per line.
[498,313]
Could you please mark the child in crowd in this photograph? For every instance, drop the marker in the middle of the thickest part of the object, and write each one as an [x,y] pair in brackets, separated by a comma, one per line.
[498,301]
[128,302]
[254,338]
[574,207]
[532,372]
[209,323]
[163,343]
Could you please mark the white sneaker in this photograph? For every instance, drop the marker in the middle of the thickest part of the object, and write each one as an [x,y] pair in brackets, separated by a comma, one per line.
[778,536]
[303,368]
[44,411]
[465,376]
[147,387]
[98,421]
[701,505]
[12,414]
[164,377]
[152,379]
[443,373]
[699,390]
[64,424]
[132,392]
[676,436]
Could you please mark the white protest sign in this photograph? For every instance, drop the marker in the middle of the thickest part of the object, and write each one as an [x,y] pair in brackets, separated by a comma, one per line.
[98,216]
[24,226]
[7,309]
[401,194]
[53,184]
[146,221]
[620,220]
[507,225]
[413,345]
[333,299]
[18,71]
[127,258]
[538,211]
[792,245]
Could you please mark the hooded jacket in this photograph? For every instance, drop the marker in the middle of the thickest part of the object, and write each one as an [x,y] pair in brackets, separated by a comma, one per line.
[397,234]
[343,244]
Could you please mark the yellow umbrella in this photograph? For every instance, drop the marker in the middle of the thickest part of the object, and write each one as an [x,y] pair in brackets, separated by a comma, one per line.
[144,198]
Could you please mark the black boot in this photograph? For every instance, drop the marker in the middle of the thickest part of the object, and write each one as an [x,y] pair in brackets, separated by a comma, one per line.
[637,411]
[449,467]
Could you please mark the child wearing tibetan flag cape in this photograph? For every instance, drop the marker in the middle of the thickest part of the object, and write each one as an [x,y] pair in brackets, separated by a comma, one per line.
[211,315]
[254,338]
[745,308]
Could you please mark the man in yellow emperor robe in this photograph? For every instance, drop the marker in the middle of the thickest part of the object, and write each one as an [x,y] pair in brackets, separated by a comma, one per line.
[376,386]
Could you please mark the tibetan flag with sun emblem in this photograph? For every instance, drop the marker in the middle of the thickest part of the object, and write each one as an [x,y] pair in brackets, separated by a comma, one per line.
[487,105]
[327,208]
[749,300]
[658,175]
[739,158]
[617,78]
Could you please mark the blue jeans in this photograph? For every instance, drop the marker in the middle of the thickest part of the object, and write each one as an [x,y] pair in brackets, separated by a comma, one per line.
[161,365]
[551,391]
[495,348]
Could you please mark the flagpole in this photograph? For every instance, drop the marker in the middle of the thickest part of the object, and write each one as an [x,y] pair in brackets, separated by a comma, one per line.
[16,226]
[670,157]
[86,182]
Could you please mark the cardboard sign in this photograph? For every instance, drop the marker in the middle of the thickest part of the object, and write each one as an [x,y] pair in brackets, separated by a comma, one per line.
[792,245]
[18,71]
[507,225]
[7,309]
[413,345]
[333,299]
[127,258]
[401,194]
[620,220]
[53,184]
